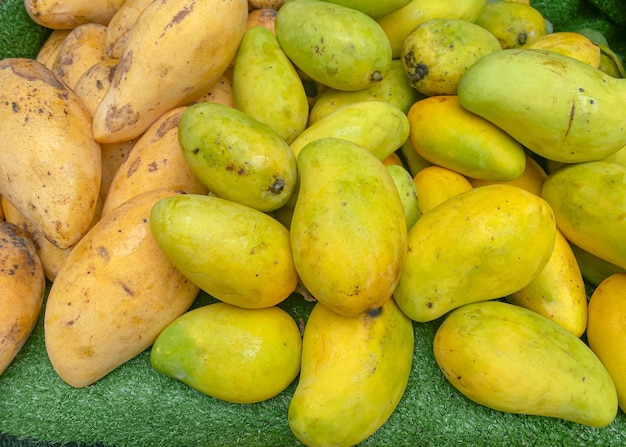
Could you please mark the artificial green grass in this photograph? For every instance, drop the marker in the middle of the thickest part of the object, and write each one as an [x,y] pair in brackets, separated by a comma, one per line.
[137,406]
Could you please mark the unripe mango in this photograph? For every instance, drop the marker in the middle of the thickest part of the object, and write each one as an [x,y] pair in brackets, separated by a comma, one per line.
[336,46]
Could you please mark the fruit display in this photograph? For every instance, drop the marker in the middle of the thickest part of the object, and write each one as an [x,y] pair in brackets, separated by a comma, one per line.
[312,222]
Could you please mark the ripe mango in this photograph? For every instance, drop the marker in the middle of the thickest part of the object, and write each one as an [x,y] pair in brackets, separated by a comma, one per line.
[478,245]
[512,359]
[334,45]
[230,353]
[353,374]
[235,253]
[348,229]
[589,204]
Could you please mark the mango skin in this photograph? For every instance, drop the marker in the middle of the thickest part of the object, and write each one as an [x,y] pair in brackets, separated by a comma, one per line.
[230,353]
[378,126]
[606,334]
[336,46]
[235,253]
[373,9]
[558,292]
[589,202]
[512,359]
[350,366]
[446,134]
[578,116]
[237,157]
[266,85]
[459,250]
[435,184]
[348,228]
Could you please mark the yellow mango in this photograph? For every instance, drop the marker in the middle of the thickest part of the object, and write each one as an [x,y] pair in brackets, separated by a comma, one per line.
[71,13]
[155,161]
[113,296]
[230,353]
[348,229]
[606,329]
[589,204]
[479,245]
[407,191]
[235,253]
[120,25]
[354,372]
[435,184]
[48,52]
[377,126]
[446,134]
[512,23]
[156,73]
[22,284]
[531,179]
[51,165]
[571,44]
[398,24]
[512,359]
[558,292]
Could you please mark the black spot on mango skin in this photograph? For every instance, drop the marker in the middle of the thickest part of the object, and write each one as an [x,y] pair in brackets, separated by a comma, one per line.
[375,312]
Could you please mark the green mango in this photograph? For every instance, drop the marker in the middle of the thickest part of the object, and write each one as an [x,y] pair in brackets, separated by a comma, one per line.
[558,107]
[481,244]
[373,9]
[339,47]
[408,193]
[230,353]
[237,157]
[377,126]
[266,85]
[348,229]
[393,88]
[589,204]
[354,372]
[515,360]
[234,253]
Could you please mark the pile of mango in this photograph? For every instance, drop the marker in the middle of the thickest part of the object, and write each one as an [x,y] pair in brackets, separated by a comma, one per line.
[395,162]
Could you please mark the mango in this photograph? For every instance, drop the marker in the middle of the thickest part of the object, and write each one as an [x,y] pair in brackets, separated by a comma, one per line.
[336,46]
[446,134]
[594,269]
[512,23]
[606,329]
[393,88]
[531,179]
[267,87]
[235,253]
[438,52]
[230,353]
[574,114]
[407,191]
[478,245]
[558,292]
[571,44]
[237,157]
[512,359]
[589,204]
[22,282]
[436,184]
[353,374]
[378,126]
[348,229]
[373,9]
[398,24]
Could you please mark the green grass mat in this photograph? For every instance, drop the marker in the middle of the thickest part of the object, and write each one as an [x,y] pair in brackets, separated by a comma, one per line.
[137,406]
